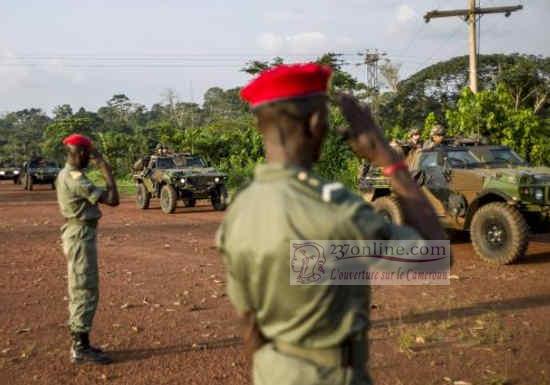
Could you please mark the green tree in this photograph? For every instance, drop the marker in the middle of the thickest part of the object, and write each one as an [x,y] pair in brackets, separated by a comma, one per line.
[56,131]
[494,114]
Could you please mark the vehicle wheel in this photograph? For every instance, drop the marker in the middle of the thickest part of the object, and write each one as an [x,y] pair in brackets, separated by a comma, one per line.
[499,233]
[168,199]
[14,180]
[390,208]
[219,199]
[190,202]
[143,197]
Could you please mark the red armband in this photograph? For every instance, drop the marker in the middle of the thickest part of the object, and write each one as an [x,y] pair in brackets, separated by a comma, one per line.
[393,168]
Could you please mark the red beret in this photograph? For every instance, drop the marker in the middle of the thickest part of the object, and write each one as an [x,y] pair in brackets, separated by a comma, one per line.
[285,82]
[78,140]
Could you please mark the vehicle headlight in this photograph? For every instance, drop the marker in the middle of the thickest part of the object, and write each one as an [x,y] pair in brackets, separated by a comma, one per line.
[182,180]
[2,172]
[539,194]
[217,179]
[16,172]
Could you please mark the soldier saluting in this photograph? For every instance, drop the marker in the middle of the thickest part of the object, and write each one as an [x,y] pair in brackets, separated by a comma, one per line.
[311,334]
[78,200]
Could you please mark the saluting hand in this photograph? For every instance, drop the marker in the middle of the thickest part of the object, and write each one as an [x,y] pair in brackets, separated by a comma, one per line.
[364,135]
[96,156]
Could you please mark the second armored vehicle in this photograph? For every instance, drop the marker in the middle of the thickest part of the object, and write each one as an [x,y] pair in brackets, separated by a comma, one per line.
[8,171]
[488,190]
[182,177]
[39,171]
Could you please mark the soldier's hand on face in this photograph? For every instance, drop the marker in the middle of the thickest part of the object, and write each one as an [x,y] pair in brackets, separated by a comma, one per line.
[364,135]
[96,156]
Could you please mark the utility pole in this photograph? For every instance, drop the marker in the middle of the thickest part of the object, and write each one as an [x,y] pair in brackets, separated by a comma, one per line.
[470,15]
[472,24]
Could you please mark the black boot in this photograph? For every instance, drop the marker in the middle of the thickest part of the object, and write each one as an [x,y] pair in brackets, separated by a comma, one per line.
[83,352]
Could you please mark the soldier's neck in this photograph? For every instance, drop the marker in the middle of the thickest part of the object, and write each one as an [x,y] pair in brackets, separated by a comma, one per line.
[73,163]
[278,155]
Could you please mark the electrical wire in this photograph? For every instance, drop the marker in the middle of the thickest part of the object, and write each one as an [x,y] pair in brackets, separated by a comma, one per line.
[438,49]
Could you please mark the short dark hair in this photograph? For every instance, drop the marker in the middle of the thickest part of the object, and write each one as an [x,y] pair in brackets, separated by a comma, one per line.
[289,113]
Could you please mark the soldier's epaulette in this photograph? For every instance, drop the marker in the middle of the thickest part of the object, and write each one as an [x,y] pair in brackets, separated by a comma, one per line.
[327,191]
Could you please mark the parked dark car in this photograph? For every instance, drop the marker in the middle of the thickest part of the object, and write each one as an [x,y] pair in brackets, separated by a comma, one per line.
[39,171]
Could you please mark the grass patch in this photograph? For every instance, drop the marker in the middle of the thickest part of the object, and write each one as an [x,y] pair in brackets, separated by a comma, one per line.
[125,184]
[410,339]
[495,379]
[489,330]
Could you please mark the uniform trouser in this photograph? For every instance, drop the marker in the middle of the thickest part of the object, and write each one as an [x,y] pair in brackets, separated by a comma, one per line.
[272,367]
[80,248]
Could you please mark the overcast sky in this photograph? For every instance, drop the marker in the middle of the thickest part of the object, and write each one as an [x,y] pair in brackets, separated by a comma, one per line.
[81,53]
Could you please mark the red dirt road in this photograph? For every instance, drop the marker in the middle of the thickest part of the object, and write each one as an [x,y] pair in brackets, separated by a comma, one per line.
[165,319]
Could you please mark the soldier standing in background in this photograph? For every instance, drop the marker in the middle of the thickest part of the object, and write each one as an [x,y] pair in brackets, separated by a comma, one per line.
[308,334]
[78,200]
[437,135]
[414,140]
[414,144]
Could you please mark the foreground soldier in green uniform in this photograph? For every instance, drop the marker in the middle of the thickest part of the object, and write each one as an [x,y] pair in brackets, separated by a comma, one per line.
[309,334]
[78,200]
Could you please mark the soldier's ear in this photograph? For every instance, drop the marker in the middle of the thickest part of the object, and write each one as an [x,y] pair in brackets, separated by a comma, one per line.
[317,123]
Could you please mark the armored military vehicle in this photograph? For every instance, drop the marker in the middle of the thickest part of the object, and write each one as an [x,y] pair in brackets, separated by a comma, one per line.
[39,171]
[487,190]
[9,171]
[176,177]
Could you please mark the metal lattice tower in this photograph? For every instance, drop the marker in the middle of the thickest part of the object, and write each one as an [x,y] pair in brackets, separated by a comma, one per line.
[370,59]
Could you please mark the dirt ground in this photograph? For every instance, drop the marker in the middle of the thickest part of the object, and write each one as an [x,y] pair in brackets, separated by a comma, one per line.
[164,317]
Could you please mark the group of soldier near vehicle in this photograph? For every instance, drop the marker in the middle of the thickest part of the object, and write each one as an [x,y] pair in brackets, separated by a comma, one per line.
[309,334]
[414,140]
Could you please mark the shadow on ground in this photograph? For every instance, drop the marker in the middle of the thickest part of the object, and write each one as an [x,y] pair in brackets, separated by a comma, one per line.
[468,311]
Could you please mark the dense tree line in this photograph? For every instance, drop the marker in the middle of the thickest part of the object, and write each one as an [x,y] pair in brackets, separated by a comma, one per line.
[512,109]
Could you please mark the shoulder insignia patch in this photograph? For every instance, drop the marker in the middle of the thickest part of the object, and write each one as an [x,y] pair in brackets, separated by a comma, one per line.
[75,174]
[302,176]
[330,190]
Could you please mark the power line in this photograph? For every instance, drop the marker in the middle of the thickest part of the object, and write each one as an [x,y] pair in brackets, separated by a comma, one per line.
[472,15]
[416,35]
[439,47]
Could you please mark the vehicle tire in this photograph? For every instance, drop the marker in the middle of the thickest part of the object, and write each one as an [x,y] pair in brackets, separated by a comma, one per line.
[168,199]
[390,208]
[499,233]
[191,202]
[143,197]
[219,199]
[14,180]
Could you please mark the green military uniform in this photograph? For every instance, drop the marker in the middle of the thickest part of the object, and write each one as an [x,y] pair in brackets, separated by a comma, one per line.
[437,129]
[78,198]
[306,326]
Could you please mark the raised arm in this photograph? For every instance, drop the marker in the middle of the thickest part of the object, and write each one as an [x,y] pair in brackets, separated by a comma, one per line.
[110,196]
[367,141]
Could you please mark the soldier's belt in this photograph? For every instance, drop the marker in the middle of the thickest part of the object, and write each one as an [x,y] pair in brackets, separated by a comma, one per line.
[80,222]
[349,354]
